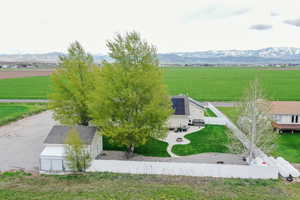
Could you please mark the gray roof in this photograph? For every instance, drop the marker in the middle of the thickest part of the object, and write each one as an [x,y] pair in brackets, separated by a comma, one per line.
[58,134]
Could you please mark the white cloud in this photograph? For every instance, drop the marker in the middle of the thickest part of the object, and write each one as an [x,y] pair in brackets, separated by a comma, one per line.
[172,25]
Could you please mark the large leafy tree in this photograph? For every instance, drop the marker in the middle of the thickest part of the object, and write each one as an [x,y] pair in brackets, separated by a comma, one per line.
[131,49]
[71,84]
[130,102]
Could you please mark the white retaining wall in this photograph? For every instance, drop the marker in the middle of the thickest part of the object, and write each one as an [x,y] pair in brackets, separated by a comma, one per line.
[185,169]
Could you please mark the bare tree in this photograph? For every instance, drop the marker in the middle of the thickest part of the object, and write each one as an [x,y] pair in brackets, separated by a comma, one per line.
[255,120]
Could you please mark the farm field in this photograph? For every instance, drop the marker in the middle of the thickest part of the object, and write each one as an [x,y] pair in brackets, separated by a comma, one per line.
[287,144]
[204,84]
[20,185]
[13,111]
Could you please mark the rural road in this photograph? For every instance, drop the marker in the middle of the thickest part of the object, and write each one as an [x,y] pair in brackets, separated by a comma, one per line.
[215,103]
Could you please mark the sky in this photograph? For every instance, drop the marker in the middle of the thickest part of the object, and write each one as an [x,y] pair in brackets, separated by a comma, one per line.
[39,26]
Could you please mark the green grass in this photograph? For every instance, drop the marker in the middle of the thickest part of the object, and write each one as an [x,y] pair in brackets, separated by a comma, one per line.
[153,147]
[204,84]
[24,88]
[110,186]
[13,111]
[212,138]
[288,145]
[209,113]
[229,84]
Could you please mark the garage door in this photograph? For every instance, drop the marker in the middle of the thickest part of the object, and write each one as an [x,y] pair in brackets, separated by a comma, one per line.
[45,164]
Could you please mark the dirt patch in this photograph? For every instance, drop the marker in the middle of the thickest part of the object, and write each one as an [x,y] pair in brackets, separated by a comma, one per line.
[20,74]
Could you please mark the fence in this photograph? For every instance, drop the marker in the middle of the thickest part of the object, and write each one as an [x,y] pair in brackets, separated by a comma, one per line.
[185,169]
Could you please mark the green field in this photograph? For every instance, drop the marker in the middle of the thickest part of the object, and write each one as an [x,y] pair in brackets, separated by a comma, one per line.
[24,88]
[109,186]
[288,145]
[204,84]
[212,138]
[13,111]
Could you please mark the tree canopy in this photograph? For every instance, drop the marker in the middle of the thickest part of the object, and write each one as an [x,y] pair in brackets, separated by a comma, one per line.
[130,102]
[131,49]
[71,85]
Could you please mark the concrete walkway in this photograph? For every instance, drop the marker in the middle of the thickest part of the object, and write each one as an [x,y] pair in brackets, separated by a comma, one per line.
[172,136]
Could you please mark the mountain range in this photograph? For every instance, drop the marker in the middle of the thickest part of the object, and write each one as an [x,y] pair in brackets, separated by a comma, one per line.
[272,55]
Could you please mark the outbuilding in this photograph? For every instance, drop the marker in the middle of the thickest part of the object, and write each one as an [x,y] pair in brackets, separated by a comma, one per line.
[53,157]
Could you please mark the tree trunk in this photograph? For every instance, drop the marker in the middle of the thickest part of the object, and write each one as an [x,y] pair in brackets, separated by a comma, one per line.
[129,153]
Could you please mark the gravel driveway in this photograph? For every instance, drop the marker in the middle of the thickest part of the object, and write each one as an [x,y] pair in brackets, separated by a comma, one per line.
[21,142]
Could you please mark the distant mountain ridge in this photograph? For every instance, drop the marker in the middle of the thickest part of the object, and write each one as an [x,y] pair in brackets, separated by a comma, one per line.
[262,56]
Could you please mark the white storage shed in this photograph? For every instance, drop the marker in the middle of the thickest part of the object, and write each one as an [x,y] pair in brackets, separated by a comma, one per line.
[52,158]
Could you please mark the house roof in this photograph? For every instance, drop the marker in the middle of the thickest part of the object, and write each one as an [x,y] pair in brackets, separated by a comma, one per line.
[58,134]
[180,105]
[285,107]
[286,126]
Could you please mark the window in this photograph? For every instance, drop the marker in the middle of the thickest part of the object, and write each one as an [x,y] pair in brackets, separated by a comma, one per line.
[293,118]
[296,119]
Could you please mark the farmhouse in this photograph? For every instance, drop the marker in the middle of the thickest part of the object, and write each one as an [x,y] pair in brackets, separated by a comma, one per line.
[52,158]
[286,115]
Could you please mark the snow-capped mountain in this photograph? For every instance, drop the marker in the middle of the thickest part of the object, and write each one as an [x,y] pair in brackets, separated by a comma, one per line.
[262,56]
[266,55]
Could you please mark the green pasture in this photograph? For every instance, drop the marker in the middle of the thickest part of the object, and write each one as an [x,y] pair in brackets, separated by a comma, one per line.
[14,111]
[204,84]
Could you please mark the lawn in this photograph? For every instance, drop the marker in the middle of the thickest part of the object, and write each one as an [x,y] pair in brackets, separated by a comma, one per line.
[204,84]
[13,111]
[153,147]
[212,138]
[288,145]
[112,186]
[209,113]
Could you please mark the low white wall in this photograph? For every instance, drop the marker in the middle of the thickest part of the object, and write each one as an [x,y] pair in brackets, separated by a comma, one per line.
[185,169]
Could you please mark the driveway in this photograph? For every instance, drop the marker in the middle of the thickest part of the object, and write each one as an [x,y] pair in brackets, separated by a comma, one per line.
[21,142]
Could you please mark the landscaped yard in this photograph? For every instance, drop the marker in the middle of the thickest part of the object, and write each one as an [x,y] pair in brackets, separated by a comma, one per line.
[14,111]
[203,84]
[153,147]
[288,145]
[212,138]
[15,186]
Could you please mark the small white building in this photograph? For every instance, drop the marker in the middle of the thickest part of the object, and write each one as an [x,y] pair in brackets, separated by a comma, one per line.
[286,115]
[52,158]
[181,115]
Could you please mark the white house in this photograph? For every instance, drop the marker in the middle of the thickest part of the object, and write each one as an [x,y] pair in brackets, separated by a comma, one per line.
[181,115]
[286,115]
[52,158]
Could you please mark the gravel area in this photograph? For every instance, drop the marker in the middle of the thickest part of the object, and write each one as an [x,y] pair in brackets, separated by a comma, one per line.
[198,158]
[21,142]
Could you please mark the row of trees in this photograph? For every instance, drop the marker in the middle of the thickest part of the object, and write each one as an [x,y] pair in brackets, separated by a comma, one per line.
[126,99]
